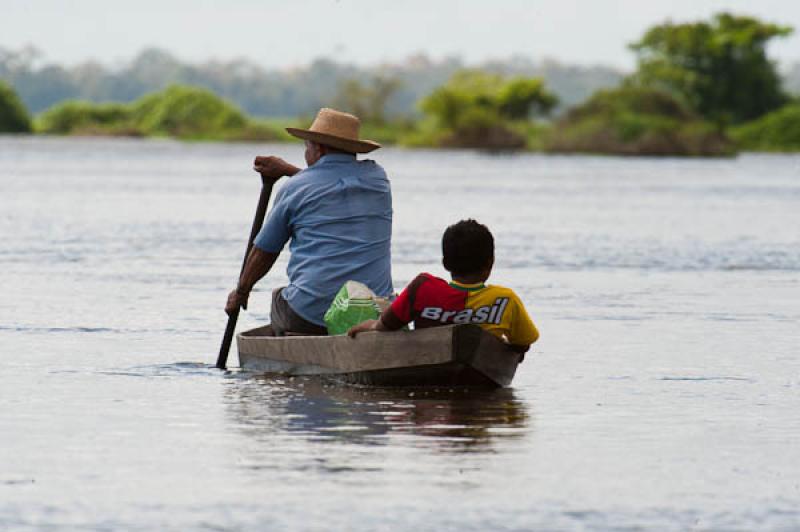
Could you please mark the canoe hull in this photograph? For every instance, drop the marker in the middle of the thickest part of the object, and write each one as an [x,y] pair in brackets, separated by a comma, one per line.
[443,356]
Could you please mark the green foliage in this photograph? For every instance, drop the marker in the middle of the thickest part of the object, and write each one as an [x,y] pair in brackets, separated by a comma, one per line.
[186,112]
[367,101]
[480,110]
[83,117]
[776,131]
[178,111]
[259,130]
[13,115]
[269,93]
[633,120]
[719,68]
[390,132]
[516,98]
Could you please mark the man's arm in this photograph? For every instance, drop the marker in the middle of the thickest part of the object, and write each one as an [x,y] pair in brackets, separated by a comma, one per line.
[257,265]
[274,167]
[258,262]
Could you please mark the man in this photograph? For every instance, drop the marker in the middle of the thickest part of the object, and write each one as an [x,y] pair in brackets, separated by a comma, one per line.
[338,215]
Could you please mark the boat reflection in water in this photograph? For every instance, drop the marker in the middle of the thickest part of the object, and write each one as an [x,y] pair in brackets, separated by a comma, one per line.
[458,420]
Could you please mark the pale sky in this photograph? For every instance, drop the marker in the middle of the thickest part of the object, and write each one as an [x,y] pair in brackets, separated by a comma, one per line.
[293,32]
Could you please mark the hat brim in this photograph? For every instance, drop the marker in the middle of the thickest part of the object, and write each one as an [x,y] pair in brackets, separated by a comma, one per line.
[351,145]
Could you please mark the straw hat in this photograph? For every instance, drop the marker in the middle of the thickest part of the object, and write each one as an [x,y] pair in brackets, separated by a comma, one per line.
[337,129]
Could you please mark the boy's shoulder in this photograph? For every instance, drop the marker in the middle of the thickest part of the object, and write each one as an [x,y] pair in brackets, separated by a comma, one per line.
[497,290]
[425,277]
[427,285]
[500,289]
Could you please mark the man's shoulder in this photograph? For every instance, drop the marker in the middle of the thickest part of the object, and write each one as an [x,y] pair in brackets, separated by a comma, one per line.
[369,168]
[371,163]
[298,183]
[303,176]
[325,169]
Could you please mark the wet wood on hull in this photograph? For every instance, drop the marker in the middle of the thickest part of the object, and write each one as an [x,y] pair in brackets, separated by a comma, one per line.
[454,355]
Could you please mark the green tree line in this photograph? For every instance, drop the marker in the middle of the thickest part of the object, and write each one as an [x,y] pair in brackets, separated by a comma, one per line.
[700,88]
[271,92]
[14,116]
[183,112]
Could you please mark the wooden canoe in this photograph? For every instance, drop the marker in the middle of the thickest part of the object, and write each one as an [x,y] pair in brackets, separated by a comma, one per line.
[453,355]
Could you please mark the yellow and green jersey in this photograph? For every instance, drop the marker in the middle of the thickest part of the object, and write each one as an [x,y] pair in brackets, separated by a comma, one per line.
[429,301]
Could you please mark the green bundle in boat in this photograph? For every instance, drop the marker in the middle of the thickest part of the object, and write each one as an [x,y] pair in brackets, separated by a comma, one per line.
[353,304]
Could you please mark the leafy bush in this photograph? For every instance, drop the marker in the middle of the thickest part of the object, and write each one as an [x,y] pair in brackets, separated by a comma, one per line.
[720,66]
[257,131]
[178,111]
[186,112]
[519,96]
[479,110]
[776,131]
[84,117]
[635,120]
[367,100]
[13,115]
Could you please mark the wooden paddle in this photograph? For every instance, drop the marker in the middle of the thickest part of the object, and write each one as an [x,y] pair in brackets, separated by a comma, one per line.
[258,221]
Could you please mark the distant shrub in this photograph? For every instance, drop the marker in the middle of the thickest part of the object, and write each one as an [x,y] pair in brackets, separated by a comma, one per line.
[79,117]
[776,131]
[633,120]
[387,132]
[475,109]
[719,66]
[14,117]
[187,112]
[178,111]
[256,131]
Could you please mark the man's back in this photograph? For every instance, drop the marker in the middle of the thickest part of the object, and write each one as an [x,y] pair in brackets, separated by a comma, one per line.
[338,214]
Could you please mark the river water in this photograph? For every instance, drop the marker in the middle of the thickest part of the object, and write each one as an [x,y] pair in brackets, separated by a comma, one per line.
[663,394]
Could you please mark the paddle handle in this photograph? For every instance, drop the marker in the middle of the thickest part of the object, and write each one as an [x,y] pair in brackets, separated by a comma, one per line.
[258,221]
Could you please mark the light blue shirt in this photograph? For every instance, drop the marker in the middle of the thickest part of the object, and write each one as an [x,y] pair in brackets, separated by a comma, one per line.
[338,214]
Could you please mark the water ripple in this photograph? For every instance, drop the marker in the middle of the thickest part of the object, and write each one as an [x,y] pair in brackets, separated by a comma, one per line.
[706,378]
[165,370]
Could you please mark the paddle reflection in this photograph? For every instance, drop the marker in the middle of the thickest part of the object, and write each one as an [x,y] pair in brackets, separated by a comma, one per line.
[460,420]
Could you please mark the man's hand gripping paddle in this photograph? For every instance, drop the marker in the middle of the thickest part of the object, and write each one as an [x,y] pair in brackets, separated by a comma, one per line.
[258,221]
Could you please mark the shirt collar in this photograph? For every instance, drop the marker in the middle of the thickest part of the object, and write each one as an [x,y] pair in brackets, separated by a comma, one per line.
[337,157]
[474,287]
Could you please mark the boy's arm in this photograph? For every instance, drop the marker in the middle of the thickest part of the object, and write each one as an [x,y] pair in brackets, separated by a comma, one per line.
[394,317]
[365,326]
[386,322]
[522,331]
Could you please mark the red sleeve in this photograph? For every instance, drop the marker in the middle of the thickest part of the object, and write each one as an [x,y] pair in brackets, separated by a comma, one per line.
[402,309]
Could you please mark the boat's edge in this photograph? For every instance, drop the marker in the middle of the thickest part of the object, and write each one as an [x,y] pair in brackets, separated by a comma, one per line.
[486,354]
[468,356]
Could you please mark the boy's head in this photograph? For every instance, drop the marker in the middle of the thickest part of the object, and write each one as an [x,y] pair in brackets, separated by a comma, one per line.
[468,250]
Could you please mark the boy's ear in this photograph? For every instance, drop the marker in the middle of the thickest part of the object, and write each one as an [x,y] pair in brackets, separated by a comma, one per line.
[487,271]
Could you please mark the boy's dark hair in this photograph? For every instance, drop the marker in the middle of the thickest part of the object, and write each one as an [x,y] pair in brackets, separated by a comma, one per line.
[467,247]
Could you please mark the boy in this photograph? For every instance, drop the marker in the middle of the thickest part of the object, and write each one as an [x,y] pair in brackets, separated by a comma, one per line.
[468,254]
